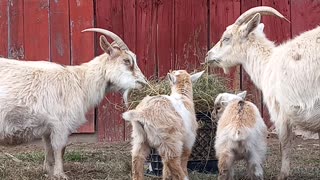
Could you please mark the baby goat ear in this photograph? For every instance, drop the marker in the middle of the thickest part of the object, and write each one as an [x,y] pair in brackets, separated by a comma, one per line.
[196,76]
[243,94]
[105,45]
[252,24]
[224,103]
[130,115]
[172,78]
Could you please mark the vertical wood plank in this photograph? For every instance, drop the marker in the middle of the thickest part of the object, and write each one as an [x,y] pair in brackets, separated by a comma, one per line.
[129,24]
[36,29]
[16,29]
[305,15]
[253,93]
[4,28]
[191,30]
[146,37]
[59,32]
[277,30]
[165,37]
[110,16]
[222,14]
[104,116]
[82,44]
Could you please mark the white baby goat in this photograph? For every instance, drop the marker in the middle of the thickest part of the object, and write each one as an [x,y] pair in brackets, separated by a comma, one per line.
[288,74]
[241,134]
[48,100]
[167,123]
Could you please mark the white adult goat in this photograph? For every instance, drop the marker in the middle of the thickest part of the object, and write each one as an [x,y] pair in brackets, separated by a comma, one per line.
[288,74]
[241,134]
[48,100]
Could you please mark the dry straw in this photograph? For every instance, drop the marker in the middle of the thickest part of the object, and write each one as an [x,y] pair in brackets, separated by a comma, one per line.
[205,91]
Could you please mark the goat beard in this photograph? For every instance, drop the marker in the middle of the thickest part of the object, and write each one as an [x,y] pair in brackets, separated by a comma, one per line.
[125,96]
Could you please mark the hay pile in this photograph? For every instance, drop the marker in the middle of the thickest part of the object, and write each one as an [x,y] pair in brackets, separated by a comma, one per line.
[205,91]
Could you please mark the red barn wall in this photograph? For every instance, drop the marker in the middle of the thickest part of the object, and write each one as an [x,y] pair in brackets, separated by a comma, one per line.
[165,34]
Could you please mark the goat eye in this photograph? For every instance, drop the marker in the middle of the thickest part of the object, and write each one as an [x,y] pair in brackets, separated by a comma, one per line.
[127,62]
[218,108]
[225,39]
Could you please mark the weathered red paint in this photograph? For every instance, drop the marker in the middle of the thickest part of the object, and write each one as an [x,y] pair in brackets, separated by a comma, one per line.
[164,34]
[59,32]
[82,44]
[190,33]
[4,28]
[15,32]
[110,124]
[222,14]
[36,30]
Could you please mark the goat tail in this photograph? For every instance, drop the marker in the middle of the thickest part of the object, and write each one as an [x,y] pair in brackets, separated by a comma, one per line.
[240,134]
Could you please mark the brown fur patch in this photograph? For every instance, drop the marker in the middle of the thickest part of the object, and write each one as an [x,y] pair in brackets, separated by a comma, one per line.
[239,114]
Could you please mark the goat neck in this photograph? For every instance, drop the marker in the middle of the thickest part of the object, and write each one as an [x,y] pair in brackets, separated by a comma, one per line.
[257,58]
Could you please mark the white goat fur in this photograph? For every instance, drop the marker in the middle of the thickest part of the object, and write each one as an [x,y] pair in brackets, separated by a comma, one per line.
[241,134]
[288,75]
[167,123]
[44,99]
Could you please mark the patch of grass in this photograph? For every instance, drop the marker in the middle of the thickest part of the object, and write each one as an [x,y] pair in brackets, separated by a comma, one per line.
[103,161]
[76,156]
[31,157]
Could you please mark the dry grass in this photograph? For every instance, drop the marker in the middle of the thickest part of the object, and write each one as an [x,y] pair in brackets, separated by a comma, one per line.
[205,91]
[93,161]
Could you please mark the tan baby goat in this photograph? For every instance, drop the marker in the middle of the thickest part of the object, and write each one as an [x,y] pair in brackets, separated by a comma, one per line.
[241,134]
[167,123]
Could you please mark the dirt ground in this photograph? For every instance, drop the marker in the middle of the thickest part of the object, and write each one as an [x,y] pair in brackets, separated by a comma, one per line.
[101,161]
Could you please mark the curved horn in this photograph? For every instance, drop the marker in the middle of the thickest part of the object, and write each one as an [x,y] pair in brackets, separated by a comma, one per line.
[115,37]
[263,10]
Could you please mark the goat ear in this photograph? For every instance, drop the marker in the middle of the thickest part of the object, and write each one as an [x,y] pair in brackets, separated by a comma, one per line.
[252,24]
[105,45]
[196,76]
[260,28]
[218,99]
[243,94]
[224,103]
[130,115]
[172,78]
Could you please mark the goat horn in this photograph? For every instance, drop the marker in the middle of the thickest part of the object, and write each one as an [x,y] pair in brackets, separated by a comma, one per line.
[115,37]
[263,10]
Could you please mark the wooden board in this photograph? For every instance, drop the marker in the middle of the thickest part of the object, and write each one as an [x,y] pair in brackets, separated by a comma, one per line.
[305,15]
[146,37]
[4,28]
[82,44]
[277,30]
[130,35]
[59,32]
[110,16]
[36,29]
[222,14]
[165,37]
[253,94]
[16,29]
[191,30]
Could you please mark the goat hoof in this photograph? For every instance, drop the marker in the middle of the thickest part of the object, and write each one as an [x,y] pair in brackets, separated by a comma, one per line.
[60,176]
[48,169]
[283,176]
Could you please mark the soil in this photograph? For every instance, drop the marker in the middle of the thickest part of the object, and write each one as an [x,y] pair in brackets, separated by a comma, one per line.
[100,161]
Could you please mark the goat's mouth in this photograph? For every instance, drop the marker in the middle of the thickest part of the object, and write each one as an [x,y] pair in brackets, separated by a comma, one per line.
[140,83]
